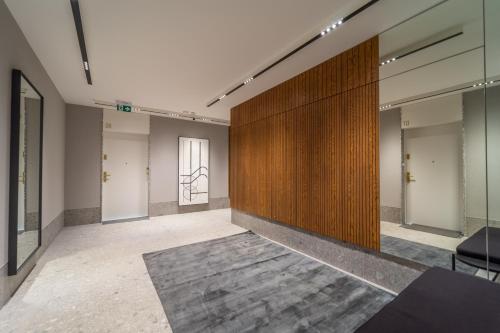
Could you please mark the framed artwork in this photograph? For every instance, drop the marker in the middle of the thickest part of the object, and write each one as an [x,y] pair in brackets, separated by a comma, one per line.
[193,171]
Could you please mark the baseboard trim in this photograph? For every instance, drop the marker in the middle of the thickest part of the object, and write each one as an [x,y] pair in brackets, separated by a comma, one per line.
[172,207]
[473,224]
[132,219]
[391,273]
[82,216]
[9,284]
[390,214]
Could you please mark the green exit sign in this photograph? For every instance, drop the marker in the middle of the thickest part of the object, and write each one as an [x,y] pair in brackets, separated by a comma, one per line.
[124,107]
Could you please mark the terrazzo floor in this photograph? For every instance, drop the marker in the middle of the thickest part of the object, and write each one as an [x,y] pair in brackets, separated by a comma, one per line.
[93,278]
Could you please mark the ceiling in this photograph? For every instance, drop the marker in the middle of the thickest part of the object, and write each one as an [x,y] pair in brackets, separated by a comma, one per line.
[180,55]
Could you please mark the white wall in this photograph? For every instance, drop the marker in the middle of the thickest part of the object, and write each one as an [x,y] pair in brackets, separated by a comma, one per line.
[164,147]
[438,111]
[451,63]
[493,151]
[390,158]
[475,154]
[125,122]
[492,40]
[430,79]
[16,53]
[83,157]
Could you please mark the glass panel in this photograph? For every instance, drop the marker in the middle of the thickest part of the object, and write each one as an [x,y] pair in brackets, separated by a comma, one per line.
[492,93]
[29,173]
[432,137]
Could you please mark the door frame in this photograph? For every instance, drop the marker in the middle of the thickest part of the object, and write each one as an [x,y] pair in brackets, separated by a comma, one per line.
[101,173]
[404,220]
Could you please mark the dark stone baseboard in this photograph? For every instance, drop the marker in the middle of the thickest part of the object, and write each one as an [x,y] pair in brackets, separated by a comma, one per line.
[390,214]
[9,284]
[172,207]
[386,271]
[82,216]
[31,222]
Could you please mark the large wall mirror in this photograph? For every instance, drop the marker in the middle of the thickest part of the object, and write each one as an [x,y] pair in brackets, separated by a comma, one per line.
[25,201]
[439,131]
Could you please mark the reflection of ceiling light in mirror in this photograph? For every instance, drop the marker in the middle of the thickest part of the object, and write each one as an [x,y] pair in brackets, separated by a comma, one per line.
[387,61]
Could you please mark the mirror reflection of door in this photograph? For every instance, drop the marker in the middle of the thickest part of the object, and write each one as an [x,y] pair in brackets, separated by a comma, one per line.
[434,164]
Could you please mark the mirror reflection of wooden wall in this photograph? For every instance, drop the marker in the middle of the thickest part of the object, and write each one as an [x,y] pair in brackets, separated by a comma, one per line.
[25,172]
[305,153]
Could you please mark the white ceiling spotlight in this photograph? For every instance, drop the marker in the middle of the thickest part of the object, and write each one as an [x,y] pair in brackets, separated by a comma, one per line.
[331,27]
[385,107]
[479,84]
[222,96]
[247,81]
[388,61]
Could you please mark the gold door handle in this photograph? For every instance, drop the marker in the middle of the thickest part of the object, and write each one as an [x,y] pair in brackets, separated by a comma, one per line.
[105,176]
[409,177]
[22,179]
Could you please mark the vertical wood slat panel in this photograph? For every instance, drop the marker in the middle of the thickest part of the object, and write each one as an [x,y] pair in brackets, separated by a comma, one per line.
[305,152]
[283,172]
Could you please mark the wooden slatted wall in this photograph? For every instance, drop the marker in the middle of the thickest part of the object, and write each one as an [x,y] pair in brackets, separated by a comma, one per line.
[305,153]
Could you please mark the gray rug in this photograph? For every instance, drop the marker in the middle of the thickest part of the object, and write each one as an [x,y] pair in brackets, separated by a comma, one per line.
[244,283]
[421,253]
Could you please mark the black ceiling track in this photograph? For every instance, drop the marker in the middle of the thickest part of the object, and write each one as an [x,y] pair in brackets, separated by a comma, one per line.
[297,49]
[427,46]
[75,7]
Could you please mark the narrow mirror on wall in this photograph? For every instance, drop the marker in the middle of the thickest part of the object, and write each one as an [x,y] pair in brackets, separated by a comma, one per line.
[25,164]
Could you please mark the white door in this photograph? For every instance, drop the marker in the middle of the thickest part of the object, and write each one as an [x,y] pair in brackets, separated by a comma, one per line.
[434,184]
[125,176]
